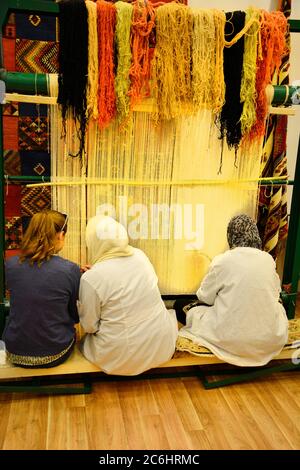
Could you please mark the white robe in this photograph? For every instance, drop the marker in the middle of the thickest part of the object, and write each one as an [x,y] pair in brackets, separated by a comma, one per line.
[245,324]
[120,307]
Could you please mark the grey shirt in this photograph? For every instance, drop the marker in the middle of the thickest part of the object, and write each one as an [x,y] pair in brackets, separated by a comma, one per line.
[42,306]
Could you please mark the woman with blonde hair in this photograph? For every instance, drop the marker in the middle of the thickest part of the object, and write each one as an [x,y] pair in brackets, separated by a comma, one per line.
[43,294]
[129,329]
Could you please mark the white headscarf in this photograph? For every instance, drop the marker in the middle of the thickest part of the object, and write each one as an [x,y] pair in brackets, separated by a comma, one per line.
[105,239]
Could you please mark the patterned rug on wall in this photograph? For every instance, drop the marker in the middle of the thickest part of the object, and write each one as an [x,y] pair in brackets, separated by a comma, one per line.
[36,56]
[34,200]
[30,44]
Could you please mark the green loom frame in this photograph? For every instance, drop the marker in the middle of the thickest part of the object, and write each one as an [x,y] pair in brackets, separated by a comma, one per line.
[32,83]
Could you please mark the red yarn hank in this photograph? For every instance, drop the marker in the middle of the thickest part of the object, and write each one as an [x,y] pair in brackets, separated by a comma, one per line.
[106,24]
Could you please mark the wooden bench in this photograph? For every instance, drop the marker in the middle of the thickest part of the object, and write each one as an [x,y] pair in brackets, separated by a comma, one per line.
[77,370]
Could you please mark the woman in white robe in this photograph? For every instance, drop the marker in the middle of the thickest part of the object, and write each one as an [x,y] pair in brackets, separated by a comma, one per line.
[243,322]
[129,329]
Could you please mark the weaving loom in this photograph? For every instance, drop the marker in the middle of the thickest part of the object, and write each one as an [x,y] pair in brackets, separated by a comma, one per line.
[144,154]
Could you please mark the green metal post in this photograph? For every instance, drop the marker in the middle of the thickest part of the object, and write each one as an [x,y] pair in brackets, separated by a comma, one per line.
[283,94]
[294,26]
[29,179]
[27,83]
[292,256]
[2,231]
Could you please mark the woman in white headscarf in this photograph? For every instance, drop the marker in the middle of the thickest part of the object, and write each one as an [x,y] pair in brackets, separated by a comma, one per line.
[242,321]
[129,329]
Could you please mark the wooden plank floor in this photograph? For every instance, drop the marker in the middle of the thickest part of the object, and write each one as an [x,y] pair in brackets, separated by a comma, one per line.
[158,414]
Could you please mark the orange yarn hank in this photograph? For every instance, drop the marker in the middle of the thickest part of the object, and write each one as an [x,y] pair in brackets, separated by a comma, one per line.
[143,20]
[106,22]
[273,28]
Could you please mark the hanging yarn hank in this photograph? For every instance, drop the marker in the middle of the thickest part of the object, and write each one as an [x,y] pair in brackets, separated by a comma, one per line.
[143,21]
[73,63]
[273,27]
[92,86]
[172,87]
[207,59]
[248,91]
[230,125]
[106,21]
[123,50]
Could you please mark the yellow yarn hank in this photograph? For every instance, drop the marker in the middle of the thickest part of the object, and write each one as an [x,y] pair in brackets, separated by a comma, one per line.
[207,59]
[248,90]
[122,80]
[171,67]
[92,83]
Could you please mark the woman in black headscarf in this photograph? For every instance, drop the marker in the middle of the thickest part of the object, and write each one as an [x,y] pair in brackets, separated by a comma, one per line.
[241,319]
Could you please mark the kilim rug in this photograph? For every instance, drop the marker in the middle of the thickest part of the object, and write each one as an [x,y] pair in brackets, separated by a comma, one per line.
[33,133]
[13,233]
[12,163]
[11,109]
[12,197]
[32,110]
[35,200]
[35,163]
[25,222]
[9,30]
[39,27]
[187,345]
[9,54]
[36,56]
[10,137]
